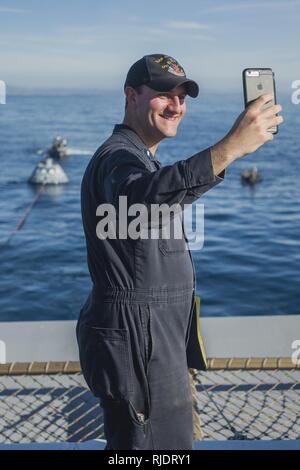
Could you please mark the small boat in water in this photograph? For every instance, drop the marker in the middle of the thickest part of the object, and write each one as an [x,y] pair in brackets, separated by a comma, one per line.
[252,177]
[58,150]
[48,172]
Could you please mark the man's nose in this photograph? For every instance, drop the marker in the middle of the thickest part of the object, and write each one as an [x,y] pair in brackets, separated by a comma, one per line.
[174,104]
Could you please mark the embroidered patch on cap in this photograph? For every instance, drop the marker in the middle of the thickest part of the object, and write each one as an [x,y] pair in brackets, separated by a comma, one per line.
[168,64]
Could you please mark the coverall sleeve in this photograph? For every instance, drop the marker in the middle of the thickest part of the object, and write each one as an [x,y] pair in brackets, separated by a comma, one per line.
[183,182]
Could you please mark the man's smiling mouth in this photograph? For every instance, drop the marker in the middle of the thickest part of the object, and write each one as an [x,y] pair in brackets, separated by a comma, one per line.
[169,118]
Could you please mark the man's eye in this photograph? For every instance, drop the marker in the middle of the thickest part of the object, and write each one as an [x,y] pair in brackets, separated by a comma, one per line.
[166,97]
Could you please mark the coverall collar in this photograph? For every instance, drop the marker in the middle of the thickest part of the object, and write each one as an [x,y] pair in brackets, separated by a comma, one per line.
[134,138]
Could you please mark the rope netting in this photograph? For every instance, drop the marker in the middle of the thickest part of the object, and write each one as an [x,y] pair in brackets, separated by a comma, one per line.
[43,402]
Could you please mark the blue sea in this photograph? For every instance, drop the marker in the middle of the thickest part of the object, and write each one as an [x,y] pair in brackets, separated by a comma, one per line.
[250,261]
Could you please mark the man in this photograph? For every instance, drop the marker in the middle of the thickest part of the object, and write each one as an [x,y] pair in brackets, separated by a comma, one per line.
[137,331]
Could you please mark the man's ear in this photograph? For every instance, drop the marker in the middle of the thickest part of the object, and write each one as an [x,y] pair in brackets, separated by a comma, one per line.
[130,94]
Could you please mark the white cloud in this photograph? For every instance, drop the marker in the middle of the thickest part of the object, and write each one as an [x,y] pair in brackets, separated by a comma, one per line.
[38,40]
[250,6]
[191,25]
[192,30]
[12,10]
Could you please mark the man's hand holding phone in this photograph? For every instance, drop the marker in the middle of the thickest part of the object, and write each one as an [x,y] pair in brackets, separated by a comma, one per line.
[250,130]
[248,133]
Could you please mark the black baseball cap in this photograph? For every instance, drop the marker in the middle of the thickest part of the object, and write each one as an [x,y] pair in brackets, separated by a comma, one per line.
[160,72]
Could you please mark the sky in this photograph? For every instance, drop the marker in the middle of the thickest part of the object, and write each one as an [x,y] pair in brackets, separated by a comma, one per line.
[91,44]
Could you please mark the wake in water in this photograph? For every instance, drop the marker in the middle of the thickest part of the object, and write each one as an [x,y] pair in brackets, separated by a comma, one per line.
[78,152]
[71,151]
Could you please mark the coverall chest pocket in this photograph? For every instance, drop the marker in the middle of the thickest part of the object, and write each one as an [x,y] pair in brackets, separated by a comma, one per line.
[108,363]
[172,237]
[172,246]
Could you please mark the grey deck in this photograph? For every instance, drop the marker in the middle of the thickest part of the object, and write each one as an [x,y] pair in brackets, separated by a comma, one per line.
[266,336]
[58,409]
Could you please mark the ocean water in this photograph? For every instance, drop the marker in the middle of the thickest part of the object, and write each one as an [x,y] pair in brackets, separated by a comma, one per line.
[250,261]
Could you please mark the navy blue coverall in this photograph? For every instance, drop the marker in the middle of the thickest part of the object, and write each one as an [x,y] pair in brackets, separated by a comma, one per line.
[137,331]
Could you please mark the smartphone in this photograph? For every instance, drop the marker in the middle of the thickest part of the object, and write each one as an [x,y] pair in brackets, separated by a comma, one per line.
[257,82]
